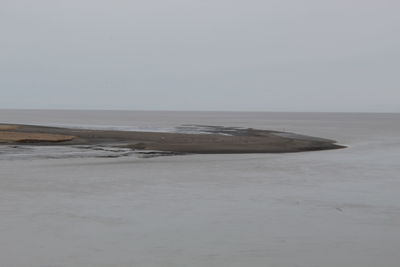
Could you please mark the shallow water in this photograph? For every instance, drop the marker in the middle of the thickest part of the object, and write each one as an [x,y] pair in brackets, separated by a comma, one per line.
[325,208]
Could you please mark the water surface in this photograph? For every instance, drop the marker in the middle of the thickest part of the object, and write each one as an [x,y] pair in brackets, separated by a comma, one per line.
[325,208]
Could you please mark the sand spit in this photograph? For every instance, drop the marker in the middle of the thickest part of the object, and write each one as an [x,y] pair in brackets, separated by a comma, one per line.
[242,141]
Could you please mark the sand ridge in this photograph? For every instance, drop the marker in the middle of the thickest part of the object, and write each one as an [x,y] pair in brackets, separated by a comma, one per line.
[7,136]
[8,127]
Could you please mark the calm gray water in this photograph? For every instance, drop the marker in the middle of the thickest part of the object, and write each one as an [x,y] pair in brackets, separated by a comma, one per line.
[326,208]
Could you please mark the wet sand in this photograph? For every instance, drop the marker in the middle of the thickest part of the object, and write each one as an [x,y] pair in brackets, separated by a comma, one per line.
[218,140]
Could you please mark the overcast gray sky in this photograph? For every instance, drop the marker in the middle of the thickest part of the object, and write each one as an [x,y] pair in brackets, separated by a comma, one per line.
[272,55]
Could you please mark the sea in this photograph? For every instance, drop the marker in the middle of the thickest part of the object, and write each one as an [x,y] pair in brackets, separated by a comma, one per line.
[73,206]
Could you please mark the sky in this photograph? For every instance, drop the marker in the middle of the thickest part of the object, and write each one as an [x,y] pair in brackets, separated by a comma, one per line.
[253,55]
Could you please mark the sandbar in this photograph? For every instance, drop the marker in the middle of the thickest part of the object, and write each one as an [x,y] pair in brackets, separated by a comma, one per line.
[219,139]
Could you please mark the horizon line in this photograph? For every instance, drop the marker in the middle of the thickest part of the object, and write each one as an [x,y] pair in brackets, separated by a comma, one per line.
[206,111]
